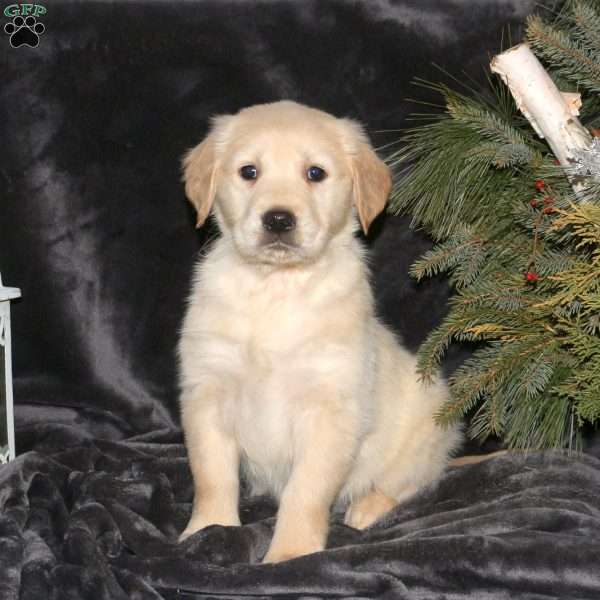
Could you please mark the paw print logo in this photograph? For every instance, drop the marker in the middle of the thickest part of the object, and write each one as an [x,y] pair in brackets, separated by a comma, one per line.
[24,32]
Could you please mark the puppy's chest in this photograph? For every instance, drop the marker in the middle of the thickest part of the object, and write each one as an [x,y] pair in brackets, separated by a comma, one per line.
[262,415]
[274,366]
[283,354]
[273,327]
[278,351]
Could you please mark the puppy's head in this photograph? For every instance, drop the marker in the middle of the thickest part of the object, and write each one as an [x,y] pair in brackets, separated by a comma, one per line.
[282,180]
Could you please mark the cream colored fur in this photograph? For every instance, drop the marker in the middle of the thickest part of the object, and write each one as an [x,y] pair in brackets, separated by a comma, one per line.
[285,370]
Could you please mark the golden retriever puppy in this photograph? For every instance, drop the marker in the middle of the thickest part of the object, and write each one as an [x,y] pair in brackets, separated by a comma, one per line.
[287,376]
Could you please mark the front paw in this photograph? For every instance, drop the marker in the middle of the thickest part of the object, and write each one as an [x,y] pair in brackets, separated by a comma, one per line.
[272,557]
[202,519]
[276,555]
[292,543]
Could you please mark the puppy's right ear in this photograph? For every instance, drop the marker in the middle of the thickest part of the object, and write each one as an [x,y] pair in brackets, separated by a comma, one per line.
[200,171]
[199,176]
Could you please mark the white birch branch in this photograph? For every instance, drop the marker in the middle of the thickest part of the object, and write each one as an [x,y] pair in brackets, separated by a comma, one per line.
[552,114]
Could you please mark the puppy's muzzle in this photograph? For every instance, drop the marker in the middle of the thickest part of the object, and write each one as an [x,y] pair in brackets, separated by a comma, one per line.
[279,221]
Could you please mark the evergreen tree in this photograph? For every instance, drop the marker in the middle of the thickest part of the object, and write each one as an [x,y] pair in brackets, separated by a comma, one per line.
[520,248]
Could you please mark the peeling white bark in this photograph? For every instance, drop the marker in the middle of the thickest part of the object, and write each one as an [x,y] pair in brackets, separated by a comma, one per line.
[552,114]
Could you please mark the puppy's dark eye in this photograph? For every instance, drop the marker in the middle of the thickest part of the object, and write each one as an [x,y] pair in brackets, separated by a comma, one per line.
[249,172]
[315,174]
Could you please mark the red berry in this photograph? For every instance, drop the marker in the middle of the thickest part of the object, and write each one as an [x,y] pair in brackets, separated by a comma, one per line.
[548,200]
[539,184]
[548,210]
[531,276]
[533,202]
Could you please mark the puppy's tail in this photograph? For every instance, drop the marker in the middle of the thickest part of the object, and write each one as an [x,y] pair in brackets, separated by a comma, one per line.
[475,458]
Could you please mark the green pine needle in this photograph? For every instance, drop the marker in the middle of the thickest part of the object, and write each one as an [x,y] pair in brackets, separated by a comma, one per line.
[524,262]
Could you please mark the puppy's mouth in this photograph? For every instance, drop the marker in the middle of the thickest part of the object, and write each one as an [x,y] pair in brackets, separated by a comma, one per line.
[283,242]
[280,248]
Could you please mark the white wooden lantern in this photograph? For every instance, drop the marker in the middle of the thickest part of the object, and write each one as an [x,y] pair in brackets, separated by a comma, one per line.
[7,423]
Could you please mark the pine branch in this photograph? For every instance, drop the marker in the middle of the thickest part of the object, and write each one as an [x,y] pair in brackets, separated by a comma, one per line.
[488,123]
[571,59]
[585,22]
[460,160]
[463,253]
[523,258]
[542,423]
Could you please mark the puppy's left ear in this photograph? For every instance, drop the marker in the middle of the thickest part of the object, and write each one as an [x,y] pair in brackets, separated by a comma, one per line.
[371,178]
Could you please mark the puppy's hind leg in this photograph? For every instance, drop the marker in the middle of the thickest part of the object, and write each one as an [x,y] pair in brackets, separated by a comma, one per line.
[419,465]
[367,509]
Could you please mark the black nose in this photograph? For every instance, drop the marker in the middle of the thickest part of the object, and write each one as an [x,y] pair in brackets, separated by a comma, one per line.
[278,221]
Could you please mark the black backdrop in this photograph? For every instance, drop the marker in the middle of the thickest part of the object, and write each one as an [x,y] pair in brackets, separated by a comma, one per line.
[95,230]
[94,227]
